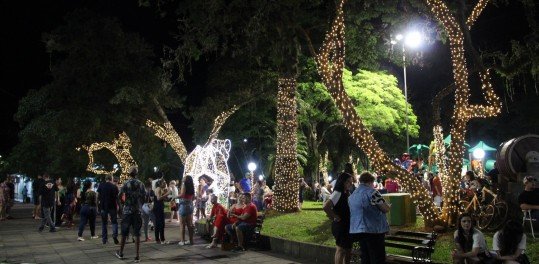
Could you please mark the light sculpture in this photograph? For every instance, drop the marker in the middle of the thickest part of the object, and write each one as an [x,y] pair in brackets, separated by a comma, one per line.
[120,148]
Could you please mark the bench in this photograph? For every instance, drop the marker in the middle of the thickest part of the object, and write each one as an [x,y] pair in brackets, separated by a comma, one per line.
[419,244]
[254,239]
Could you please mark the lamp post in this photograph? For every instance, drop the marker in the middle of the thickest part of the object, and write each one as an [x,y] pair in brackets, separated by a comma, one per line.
[412,39]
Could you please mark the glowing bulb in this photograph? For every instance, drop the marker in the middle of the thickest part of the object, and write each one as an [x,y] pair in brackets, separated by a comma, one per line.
[251,166]
[478,153]
[413,39]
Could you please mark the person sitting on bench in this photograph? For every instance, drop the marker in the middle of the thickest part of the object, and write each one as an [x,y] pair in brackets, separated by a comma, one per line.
[218,219]
[246,222]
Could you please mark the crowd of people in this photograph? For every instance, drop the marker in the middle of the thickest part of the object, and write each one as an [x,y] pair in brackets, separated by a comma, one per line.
[141,206]
[358,214]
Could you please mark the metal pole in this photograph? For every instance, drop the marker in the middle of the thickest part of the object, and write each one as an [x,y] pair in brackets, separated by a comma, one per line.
[405,97]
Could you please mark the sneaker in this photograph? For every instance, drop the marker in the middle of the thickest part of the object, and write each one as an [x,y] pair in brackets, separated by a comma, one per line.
[182,243]
[137,260]
[158,241]
[40,229]
[119,255]
[80,239]
[211,246]
[116,242]
[94,237]
[149,239]
[238,249]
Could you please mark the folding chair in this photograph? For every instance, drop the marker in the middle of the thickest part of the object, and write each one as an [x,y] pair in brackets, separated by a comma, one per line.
[528,217]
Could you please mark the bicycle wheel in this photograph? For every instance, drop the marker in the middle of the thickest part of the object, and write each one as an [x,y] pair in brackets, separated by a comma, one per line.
[500,210]
[485,217]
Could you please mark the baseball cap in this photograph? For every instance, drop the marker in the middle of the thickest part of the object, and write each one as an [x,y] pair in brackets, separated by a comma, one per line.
[529,179]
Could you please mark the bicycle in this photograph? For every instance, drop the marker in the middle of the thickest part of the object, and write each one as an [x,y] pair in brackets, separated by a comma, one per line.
[491,215]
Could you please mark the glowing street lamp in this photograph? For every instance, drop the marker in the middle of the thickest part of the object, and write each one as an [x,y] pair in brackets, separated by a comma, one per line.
[412,39]
[252,167]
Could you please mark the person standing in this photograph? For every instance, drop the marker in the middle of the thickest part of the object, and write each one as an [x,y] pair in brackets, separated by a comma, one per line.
[88,211]
[187,193]
[4,198]
[161,194]
[108,197]
[134,192]
[147,210]
[11,186]
[201,198]
[338,211]
[36,188]
[59,210]
[368,222]
[246,183]
[48,198]
[173,196]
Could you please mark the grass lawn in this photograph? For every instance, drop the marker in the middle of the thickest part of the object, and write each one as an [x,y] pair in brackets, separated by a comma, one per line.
[311,225]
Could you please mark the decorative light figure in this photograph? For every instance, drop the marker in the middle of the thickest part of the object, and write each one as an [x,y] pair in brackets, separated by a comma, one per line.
[120,148]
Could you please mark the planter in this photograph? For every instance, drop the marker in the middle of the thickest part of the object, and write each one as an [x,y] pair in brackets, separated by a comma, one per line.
[303,250]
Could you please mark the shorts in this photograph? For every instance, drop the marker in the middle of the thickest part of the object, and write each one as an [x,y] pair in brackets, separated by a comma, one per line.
[186,208]
[340,231]
[131,220]
[245,227]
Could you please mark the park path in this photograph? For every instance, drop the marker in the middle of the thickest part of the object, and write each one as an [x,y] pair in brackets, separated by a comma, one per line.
[20,242]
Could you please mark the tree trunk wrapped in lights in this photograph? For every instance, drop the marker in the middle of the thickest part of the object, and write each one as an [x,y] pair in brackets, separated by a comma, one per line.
[120,148]
[286,166]
[463,111]
[330,64]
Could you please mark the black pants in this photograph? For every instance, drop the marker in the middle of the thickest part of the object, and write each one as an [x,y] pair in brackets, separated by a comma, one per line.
[373,250]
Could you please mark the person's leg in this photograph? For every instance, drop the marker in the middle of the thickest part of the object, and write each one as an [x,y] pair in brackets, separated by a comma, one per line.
[190,227]
[339,256]
[126,224]
[114,222]
[183,223]
[145,223]
[104,223]
[162,230]
[137,224]
[48,218]
[364,249]
[377,248]
[91,216]
[43,221]
[83,219]
[347,255]
[239,235]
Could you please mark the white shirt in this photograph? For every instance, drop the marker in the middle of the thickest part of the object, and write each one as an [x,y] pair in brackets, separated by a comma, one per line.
[334,197]
[521,244]
[478,240]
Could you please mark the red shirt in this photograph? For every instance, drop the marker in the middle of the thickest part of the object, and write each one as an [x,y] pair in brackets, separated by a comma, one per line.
[251,210]
[436,183]
[217,209]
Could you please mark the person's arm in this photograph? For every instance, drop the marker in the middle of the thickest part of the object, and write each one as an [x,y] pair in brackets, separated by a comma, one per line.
[329,204]
[378,200]
[182,189]
[525,206]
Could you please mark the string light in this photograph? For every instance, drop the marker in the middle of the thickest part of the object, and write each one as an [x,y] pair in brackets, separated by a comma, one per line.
[167,133]
[220,121]
[120,148]
[463,111]
[286,179]
[330,63]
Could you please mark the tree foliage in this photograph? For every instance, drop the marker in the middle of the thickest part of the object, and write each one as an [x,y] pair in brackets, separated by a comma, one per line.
[103,82]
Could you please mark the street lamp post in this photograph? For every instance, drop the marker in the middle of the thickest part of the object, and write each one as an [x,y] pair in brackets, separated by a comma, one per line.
[412,39]
[252,167]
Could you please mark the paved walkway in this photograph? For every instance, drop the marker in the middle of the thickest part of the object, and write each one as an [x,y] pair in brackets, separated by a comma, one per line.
[20,242]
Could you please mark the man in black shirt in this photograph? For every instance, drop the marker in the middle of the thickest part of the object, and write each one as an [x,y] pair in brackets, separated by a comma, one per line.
[36,187]
[48,198]
[108,196]
[529,198]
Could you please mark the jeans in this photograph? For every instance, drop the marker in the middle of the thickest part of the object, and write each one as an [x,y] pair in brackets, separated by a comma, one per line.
[146,217]
[46,214]
[104,221]
[87,213]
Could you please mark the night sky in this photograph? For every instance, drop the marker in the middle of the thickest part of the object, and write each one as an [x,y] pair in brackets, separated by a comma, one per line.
[25,62]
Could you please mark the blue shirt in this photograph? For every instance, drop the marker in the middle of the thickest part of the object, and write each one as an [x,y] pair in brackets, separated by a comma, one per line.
[365,216]
[245,184]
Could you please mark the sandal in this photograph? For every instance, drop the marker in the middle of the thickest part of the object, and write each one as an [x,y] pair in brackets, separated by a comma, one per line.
[211,246]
